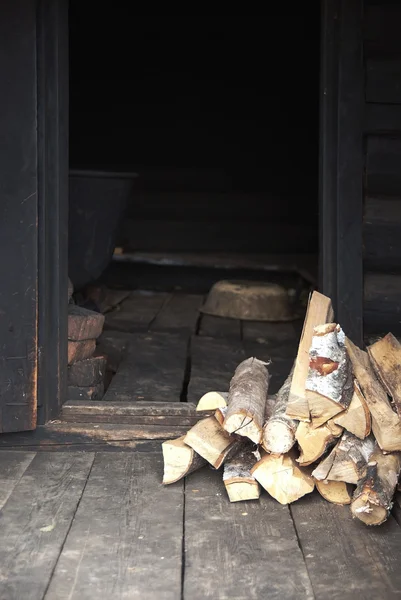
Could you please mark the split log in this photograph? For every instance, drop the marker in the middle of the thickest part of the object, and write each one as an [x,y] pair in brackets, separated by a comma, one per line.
[314,442]
[238,479]
[385,356]
[279,431]
[373,498]
[87,372]
[386,425]
[212,401]
[329,385]
[282,478]
[247,400]
[347,461]
[179,460]
[211,441]
[319,311]
[336,492]
[356,419]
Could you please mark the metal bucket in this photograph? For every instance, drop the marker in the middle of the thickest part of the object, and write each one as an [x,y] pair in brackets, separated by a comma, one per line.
[97,202]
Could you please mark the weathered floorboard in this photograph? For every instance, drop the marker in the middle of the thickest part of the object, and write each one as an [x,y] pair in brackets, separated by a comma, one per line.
[180,312]
[346,559]
[13,465]
[153,369]
[213,363]
[36,520]
[126,538]
[241,551]
[219,327]
[136,313]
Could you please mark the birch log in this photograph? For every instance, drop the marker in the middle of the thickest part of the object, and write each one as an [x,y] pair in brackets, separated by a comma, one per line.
[335,492]
[385,356]
[329,385]
[314,441]
[319,311]
[347,461]
[247,400]
[209,439]
[356,419]
[282,478]
[212,400]
[373,497]
[386,424]
[238,479]
[279,431]
[179,460]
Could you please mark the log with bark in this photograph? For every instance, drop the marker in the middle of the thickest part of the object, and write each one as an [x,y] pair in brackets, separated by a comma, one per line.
[238,479]
[314,441]
[211,441]
[356,419]
[347,461]
[385,356]
[247,400]
[386,424]
[319,311]
[279,431]
[329,385]
[282,478]
[373,497]
[179,460]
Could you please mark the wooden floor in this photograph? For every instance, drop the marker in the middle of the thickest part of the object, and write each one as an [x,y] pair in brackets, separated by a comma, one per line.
[88,525]
[92,519]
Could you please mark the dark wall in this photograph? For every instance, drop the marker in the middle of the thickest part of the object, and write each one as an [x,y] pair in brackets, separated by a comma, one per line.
[382,185]
[233,99]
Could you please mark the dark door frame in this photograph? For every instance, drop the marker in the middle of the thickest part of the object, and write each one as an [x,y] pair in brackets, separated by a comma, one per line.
[341,162]
[340,189]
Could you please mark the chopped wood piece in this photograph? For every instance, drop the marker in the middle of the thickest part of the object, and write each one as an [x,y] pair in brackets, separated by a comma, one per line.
[179,460]
[385,356]
[386,425]
[334,491]
[373,498]
[347,461]
[87,372]
[356,419]
[84,324]
[211,441]
[92,392]
[238,479]
[279,431]
[319,311]
[80,350]
[247,400]
[282,478]
[314,441]
[220,414]
[212,400]
[329,385]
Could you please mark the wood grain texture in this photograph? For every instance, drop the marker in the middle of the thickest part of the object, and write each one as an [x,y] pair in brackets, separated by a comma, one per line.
[339,556]
[382,243]
[382,310]
[245,550]
[36,520]
[126,538]
[153,369]
[180,312]
[13,465]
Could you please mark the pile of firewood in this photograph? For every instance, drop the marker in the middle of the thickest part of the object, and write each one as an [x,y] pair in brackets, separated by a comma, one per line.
[331,426]
[86,372]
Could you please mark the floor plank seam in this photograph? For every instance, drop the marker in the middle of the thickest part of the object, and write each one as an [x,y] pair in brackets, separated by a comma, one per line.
[68,530]
[301,549]
[165,303]
[183,540]
[187,373]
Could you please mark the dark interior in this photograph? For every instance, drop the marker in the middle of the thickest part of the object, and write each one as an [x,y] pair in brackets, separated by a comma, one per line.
[217,117]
